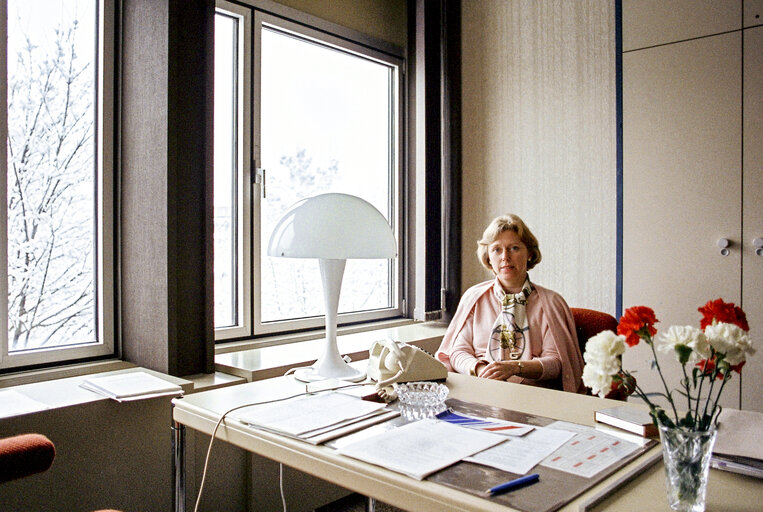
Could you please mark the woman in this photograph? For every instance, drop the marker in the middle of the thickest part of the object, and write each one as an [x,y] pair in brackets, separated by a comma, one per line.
[509,328]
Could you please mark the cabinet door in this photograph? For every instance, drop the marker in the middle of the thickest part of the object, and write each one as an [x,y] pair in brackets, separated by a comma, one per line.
[655,22]
[681,183]
[752,264]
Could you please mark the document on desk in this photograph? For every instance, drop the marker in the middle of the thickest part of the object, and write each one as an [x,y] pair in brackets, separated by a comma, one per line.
[520,454]
[308,416]
[507,428]
[588,452]
[421,448]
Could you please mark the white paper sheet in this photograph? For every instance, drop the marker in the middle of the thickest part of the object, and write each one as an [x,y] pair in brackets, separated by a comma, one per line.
[420,448]
[309,413]
[13,403]
[131,386]
[520,454]
[588,452]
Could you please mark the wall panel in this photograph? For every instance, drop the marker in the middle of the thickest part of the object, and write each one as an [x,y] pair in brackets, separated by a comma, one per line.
[539,137]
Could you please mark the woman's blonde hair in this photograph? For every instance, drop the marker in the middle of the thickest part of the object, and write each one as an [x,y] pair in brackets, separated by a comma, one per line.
[505,223]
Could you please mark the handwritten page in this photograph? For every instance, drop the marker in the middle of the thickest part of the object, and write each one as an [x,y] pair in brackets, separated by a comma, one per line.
[520,454]
[309,414]
[13,403]
[421,448]
[588,452]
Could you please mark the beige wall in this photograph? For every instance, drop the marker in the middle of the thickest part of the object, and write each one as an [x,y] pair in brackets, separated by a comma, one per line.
[382,19]
[539,137]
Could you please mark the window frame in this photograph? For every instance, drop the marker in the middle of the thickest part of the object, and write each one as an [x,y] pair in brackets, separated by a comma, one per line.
[243,177]
[104,268]
[307,27]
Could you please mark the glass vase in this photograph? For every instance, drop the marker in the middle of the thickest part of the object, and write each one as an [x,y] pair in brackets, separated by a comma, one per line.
[687,464]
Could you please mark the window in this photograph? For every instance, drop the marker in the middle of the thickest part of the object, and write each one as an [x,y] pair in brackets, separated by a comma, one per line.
[324,117]
[56,241]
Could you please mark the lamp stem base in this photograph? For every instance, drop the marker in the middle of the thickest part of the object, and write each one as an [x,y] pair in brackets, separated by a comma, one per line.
[313,374]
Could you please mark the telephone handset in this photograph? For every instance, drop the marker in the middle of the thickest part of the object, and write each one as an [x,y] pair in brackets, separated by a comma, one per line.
[390,362]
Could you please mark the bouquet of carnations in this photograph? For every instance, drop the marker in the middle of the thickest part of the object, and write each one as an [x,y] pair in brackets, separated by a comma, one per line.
[709,356]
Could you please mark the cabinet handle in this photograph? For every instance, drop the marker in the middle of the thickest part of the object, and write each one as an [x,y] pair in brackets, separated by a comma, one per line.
[758,244]
[724,244]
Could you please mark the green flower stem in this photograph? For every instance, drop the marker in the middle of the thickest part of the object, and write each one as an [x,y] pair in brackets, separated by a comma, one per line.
[699,395]
[648,339]
[710,393]
[688,393]
[717,398]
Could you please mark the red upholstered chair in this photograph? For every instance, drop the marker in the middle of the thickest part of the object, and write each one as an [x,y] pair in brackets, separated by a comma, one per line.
[24,455]
[588,323]
[27,454]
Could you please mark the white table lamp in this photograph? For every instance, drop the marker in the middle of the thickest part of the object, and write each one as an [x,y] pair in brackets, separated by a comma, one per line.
[332,227]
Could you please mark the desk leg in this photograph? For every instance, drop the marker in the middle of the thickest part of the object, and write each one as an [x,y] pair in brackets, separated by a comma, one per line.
[178,466]
[371,505]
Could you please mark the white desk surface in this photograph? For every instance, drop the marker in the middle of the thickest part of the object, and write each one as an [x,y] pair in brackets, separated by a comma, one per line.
[201,411]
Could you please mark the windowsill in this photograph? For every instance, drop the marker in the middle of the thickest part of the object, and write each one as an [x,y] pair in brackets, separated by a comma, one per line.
[274,357]
[245,361]
[224,347]
[63,372]
[66,391]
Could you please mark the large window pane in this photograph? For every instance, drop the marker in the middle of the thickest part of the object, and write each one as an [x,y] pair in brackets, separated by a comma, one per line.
[51,173]
[325,126]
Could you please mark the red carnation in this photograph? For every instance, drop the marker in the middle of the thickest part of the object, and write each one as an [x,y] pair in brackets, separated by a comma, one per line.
[725,312]
[635,323]
[737,367]
[707,366]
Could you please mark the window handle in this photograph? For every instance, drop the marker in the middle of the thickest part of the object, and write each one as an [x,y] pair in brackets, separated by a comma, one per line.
[259,179]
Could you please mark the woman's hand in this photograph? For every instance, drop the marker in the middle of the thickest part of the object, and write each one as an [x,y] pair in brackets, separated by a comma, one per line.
[499,370]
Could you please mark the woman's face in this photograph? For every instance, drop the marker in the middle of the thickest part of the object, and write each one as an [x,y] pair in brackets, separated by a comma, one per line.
[508,257]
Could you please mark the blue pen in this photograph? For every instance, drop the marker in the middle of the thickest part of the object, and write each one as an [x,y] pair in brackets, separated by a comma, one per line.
[513,484]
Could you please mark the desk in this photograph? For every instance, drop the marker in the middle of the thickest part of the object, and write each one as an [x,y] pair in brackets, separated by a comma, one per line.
[201,411]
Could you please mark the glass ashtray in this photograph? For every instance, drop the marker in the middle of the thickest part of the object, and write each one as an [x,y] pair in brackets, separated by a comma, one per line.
[421,393]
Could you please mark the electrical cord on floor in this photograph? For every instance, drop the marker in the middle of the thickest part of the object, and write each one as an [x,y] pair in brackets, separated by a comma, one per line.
[280,485]
[226,413]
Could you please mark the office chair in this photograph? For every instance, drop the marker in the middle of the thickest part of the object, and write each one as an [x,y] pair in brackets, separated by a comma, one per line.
[25,455]
[588,323]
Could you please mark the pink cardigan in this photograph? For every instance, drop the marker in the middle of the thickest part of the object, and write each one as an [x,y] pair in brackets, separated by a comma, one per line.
[549,317]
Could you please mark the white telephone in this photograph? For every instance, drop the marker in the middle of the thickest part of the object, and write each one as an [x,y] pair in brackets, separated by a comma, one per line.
[390,362]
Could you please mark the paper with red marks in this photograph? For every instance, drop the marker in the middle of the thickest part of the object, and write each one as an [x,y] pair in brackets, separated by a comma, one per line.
[588,452]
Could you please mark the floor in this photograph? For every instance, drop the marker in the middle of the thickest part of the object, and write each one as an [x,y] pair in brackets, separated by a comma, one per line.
[355,503]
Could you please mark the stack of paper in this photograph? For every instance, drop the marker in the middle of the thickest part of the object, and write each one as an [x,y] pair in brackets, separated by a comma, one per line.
[420,448]
[316,418]
[520,454]
[131,386]
[737,447]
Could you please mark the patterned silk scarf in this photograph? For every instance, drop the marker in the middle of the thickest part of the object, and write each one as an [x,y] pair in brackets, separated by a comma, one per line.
[510,336]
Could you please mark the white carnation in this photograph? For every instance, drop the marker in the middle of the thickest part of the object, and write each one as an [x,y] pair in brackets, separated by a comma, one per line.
[602,361]
[599,382]
[688,336]
[730,340]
